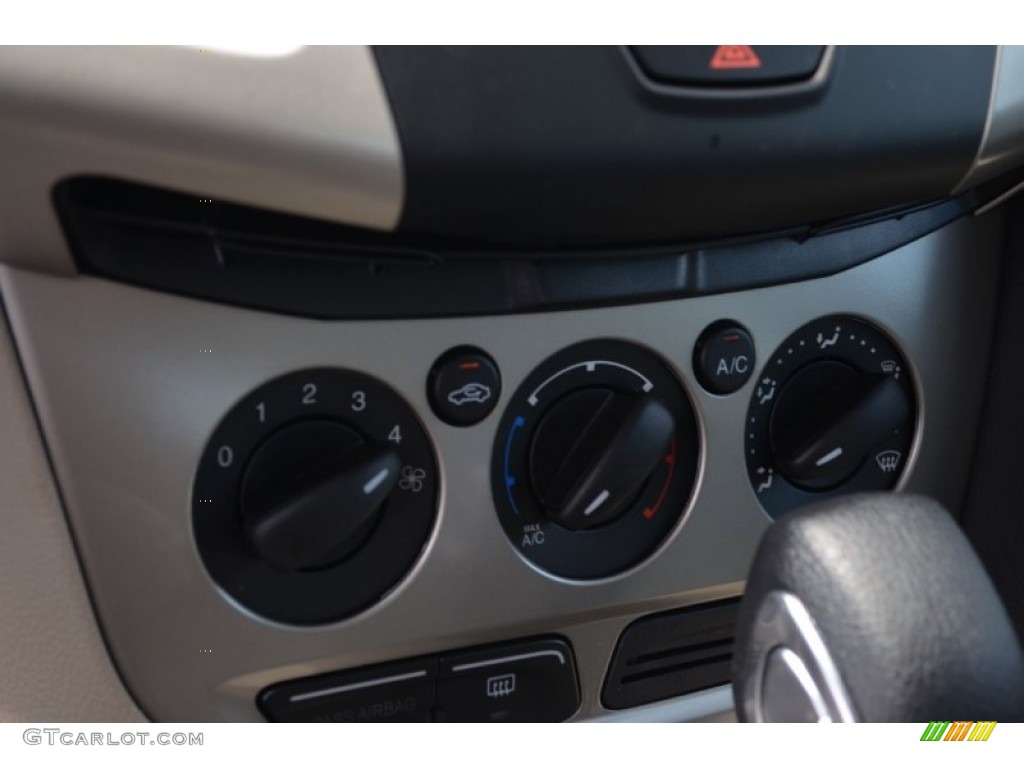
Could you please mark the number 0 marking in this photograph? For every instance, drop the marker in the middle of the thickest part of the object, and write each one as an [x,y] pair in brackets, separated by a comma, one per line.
[309,394]
[225,456]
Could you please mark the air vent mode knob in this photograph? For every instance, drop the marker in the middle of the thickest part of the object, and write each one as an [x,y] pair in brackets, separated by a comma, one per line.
[832,411]
[828,419]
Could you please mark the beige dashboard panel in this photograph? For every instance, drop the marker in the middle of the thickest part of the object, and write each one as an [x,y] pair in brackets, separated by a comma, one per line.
[55,667]
[308,132]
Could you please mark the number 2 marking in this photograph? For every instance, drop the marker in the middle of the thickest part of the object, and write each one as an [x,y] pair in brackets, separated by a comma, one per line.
[309,394]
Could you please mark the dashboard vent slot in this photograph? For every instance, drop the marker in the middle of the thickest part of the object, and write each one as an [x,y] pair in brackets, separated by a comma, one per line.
[672,654]
[221,251]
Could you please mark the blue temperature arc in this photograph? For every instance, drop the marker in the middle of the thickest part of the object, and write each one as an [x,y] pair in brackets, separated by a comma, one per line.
[509,480]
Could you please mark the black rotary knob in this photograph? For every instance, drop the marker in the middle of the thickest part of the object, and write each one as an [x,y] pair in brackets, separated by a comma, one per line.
[593,451]
[312,492]
[832,412]
[315,495]
[828,419]
[594,459]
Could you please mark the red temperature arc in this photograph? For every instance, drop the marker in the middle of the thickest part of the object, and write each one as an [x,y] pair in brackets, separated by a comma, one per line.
[670,459]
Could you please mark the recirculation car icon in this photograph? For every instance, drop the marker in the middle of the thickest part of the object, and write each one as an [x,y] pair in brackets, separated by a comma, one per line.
[474,392]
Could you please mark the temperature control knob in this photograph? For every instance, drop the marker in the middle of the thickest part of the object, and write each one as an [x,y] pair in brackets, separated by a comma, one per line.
[593,451]
[595,459]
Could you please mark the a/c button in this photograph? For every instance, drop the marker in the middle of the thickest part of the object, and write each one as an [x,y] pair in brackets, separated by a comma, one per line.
[724,357]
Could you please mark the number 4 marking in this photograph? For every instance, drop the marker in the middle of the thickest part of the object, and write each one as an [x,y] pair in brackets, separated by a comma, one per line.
[396,434]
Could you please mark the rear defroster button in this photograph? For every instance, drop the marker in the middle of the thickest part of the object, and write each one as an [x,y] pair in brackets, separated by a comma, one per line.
[533,681]
[463,386]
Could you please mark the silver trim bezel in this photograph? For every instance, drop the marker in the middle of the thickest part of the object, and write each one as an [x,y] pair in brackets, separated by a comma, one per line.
[126,402]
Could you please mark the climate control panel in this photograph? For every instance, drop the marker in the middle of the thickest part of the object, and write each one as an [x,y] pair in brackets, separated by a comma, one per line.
[318,490]
[257,498]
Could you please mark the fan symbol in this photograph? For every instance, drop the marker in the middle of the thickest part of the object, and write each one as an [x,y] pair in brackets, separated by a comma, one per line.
[412,479]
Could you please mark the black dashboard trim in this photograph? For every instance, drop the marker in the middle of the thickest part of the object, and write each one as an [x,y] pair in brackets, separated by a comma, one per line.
[231,254]
[553,145]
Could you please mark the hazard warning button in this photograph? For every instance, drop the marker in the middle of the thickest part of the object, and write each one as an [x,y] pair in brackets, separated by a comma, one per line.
[728,66]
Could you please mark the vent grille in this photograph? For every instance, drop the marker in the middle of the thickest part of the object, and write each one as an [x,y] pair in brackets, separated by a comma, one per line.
[234,254]
[672,654]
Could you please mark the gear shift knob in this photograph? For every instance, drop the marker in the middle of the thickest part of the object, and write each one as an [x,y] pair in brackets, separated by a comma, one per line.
[873,607]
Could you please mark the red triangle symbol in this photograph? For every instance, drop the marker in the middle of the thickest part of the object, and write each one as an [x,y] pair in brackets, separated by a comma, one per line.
[735,57]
